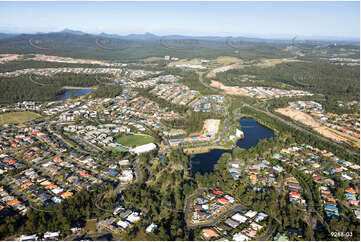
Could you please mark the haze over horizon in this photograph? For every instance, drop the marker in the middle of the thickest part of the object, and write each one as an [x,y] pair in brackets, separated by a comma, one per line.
[253,19]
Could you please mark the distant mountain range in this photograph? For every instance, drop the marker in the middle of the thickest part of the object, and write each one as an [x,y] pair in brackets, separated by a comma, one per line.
[133,47]
[250,38]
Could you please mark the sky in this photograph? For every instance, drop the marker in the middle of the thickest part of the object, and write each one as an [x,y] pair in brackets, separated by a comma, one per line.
[274,19]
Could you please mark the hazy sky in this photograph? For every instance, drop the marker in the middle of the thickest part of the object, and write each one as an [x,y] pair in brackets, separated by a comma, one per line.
[339,19]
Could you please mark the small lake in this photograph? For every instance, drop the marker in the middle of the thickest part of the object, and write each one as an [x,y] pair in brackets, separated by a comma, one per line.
[253,132]
[74,93]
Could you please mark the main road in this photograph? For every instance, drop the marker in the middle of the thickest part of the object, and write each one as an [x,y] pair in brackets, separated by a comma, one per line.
[204,84]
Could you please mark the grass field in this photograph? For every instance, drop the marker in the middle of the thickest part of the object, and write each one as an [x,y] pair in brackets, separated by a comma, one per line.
[18,117]
[134,140]
[91,225]
[152,59]
[227,60]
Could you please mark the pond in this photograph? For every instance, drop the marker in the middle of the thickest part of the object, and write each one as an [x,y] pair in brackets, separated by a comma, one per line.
[73,92]
[253,132]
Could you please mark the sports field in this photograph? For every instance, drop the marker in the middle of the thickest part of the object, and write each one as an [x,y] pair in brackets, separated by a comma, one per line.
[134,140]
[18,117]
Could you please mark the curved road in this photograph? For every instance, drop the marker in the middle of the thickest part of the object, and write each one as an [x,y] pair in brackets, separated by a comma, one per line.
[268,234]
[204,84]
[37,83]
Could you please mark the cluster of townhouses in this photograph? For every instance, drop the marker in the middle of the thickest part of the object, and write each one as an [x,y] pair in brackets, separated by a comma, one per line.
[211,103]
[155,81]
[54,71]
[175,93]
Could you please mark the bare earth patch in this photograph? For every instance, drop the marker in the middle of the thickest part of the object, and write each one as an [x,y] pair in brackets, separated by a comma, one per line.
[325,131]
[8,57]
[228,89]
[210,126]
[223,69]
[240,65]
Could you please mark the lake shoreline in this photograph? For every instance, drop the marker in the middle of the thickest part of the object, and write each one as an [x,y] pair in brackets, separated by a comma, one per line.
[77,92]
[253,131]
[78,88]
[201,150]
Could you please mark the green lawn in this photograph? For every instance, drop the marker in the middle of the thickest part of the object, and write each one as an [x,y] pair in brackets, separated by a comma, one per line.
[18,117]
[135,140]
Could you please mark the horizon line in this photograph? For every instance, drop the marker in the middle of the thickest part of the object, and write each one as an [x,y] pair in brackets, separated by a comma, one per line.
[248,35]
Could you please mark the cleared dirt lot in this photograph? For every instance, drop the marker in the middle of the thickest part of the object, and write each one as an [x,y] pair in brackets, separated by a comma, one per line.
[228,89]
[210,126]
[239,65]
[8,57]
[307,119]
[223,69]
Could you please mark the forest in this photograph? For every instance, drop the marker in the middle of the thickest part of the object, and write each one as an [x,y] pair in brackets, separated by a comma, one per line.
[21,88]
[107,91]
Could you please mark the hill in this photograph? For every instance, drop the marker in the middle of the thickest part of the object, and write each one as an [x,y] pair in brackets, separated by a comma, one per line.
[133,47]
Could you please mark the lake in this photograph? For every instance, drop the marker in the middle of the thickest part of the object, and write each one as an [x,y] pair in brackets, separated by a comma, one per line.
[74,92]
[253,132]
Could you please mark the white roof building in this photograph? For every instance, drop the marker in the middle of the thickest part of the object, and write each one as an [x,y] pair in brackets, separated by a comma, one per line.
[49,235]
[250,214]
[260,217]
[117,210]
[33,237]
[240,218]
[57,190]
[229,198]
[123,224]
[240,237]
[134,217]
[143,148]
[151,228]
[124,162]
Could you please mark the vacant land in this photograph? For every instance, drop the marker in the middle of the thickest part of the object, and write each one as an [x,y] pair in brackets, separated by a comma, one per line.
[8,57]
[213,73]
[273,62]
[18,117]
[240,65]
[135,140]
[211,126]
[226,60]
[153,59]
[306,119]
[228,89]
